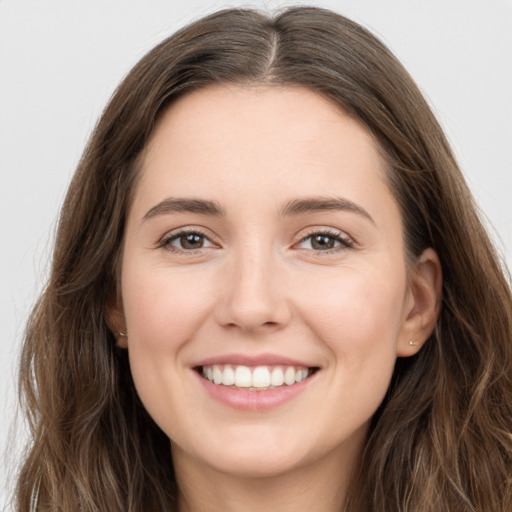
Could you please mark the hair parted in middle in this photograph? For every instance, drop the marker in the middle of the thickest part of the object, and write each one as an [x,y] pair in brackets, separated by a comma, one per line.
[440,440]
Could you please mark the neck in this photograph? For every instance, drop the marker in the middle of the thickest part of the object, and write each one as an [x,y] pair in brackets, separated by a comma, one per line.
[320,486]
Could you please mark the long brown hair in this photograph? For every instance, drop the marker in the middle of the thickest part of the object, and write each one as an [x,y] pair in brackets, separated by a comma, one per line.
[441,440]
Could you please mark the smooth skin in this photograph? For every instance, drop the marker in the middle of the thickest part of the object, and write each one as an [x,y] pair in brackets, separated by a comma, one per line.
[263,223]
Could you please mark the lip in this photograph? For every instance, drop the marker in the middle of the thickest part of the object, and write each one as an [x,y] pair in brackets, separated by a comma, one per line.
[254,360]
[254,401]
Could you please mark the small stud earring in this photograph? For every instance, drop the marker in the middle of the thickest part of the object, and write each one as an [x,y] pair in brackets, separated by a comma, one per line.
[123,335]
[412,342]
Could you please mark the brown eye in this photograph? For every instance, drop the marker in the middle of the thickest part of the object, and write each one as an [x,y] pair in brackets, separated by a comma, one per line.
[322,242]
[191,241]
[186,241]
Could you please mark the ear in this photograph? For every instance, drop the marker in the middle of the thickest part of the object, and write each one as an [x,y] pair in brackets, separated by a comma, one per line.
[114,316]
[423,303]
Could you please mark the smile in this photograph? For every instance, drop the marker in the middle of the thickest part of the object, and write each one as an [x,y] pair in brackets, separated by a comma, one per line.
[254,378]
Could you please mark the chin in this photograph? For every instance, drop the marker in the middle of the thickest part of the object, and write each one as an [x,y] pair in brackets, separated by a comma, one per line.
[258,465]
[251,455]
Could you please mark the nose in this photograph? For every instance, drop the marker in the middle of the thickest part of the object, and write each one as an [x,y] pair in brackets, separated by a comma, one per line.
[253,297]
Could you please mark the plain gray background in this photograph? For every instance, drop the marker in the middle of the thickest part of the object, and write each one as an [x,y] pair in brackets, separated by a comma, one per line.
[60,61]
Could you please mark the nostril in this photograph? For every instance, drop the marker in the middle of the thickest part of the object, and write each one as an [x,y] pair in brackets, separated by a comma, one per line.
[251,305]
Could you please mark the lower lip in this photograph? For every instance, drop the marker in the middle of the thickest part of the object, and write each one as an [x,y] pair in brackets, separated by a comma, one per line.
[255,401]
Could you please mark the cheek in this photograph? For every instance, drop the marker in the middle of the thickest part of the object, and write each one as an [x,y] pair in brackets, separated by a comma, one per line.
[163,311]
[359,321]
[354,304]
[161,305]
[358,317]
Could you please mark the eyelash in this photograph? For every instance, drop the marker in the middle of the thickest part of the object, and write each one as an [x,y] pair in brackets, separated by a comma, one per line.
[165,243]
[343,242]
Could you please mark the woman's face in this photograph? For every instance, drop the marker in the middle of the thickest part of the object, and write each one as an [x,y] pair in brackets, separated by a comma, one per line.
[265,291]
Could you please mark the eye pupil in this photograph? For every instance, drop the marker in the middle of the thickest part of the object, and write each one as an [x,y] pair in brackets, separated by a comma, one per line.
[192,241]
[322,242]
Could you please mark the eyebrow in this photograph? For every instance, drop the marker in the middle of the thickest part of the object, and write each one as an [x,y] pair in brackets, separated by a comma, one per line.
[174,205]
[291,208]
[318,204]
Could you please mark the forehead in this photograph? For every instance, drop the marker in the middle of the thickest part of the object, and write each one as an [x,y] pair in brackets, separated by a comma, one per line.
[240,137]
[255,111]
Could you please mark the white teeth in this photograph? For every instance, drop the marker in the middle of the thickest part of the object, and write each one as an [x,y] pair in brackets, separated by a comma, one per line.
[217,374]
[243,377]
[228,376]
[261,377]
[277,377]
[255,378]
[289,376]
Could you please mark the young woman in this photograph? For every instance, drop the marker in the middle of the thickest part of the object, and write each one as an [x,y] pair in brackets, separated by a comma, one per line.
[270,289]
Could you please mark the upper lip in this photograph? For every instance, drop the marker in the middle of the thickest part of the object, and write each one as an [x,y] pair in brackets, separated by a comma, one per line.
[253,360]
